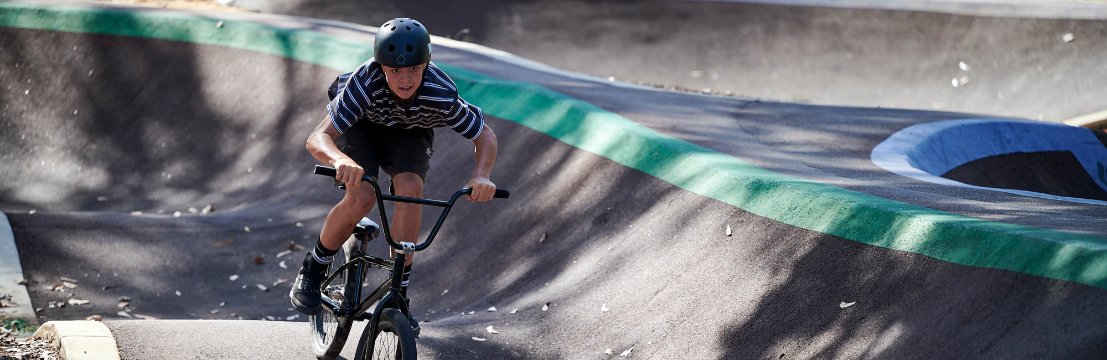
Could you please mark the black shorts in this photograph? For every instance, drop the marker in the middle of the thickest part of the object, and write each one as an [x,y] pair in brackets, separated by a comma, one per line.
[375,146]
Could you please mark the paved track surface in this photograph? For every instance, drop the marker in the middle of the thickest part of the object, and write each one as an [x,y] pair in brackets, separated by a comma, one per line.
[849,54]
[159,126]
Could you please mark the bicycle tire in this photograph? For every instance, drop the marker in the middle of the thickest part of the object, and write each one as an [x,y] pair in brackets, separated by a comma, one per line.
[393,340]
[329,332]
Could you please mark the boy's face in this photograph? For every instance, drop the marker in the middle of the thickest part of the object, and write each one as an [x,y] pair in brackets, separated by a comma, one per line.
[404,81]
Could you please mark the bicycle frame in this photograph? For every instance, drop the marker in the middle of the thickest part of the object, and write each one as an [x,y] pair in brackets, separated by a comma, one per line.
[388,293]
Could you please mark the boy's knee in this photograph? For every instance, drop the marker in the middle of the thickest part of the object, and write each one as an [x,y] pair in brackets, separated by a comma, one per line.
[362,197]
[408,184]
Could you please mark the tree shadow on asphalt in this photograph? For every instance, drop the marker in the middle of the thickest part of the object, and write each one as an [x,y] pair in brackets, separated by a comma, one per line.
[578,234]
[122,125]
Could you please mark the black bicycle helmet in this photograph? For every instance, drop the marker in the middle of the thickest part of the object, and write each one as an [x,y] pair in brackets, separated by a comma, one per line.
[402,42]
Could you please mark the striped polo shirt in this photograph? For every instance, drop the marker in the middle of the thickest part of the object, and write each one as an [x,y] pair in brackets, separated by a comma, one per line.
[363,95]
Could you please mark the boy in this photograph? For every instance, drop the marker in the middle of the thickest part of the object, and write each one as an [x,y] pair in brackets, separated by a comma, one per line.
[387,109]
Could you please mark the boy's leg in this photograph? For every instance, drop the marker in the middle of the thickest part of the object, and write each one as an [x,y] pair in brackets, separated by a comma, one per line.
[337,227]
[405,225]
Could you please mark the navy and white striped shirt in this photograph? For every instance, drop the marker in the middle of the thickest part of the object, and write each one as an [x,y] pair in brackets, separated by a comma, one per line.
[364,95]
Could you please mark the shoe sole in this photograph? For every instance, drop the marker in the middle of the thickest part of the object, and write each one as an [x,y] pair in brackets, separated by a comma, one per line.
[303,309]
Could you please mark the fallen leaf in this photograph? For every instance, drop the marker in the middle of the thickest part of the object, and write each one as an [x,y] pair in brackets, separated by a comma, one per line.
[69,280]
[223,243]
[283,253]
[492,309]
[728,232]
[546,306]
[192,210]
[543,238]
[282,265]
[279,281]
[136,213]
[178,292]
[299,224]
[472,312]
[94,318]
[222,303]
[176,214]
[124,314]
[491,330]
[259,260]
[233,277]
[964,66]
[247,228]
[261,287]
[1068,37]
[626,353]
[79,302]
[293,317]
[844,304]
[214,311]
[270,317]
[479,339]
[207,209]
[604,308]
[609,352]
[145,317]
[445,291]
[514,311]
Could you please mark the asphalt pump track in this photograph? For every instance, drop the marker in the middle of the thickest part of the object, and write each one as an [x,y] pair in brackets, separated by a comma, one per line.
[114,143]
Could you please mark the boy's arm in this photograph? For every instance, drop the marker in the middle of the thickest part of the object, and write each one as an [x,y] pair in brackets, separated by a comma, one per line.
[320,143]
[485,147]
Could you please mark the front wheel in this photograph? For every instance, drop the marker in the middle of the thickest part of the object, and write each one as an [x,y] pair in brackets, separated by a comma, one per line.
[329,332]
[393,340]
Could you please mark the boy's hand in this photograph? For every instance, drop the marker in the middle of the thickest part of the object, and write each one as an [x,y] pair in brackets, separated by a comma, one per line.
[348,172]
[483,189]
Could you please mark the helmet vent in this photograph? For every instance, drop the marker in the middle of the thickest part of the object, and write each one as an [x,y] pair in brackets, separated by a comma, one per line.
[410,48]
[408,28]
[391,48]
[393,28]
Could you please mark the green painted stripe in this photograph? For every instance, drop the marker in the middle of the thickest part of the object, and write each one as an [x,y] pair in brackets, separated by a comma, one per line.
[827,209]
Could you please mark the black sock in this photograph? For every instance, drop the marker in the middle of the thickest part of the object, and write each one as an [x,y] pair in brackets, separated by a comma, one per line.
[323,255]
[404,280]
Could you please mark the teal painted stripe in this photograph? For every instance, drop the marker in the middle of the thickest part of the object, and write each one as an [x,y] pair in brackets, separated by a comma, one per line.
[813,206]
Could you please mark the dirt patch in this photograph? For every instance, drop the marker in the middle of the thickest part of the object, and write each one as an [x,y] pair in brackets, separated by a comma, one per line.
[13,346]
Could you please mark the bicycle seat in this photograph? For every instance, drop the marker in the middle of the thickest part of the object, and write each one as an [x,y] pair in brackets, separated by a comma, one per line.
[366,227]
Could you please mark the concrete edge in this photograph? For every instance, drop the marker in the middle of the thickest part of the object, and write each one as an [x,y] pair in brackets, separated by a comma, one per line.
[1066,256]
[11,276]
[80,340]
[1094,121]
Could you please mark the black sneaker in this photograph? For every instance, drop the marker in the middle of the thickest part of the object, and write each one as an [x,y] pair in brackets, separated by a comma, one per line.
[412,320]
[305,291]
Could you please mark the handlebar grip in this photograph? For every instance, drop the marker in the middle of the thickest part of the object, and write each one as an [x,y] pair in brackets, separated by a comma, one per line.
[502,194]
[323,170]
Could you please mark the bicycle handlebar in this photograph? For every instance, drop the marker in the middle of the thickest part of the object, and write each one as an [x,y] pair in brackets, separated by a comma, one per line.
[445,205]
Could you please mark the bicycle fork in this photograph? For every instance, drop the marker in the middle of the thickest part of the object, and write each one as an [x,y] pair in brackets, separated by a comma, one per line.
[394,297]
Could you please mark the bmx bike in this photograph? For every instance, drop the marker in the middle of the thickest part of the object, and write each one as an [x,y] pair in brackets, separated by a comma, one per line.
[390,332]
